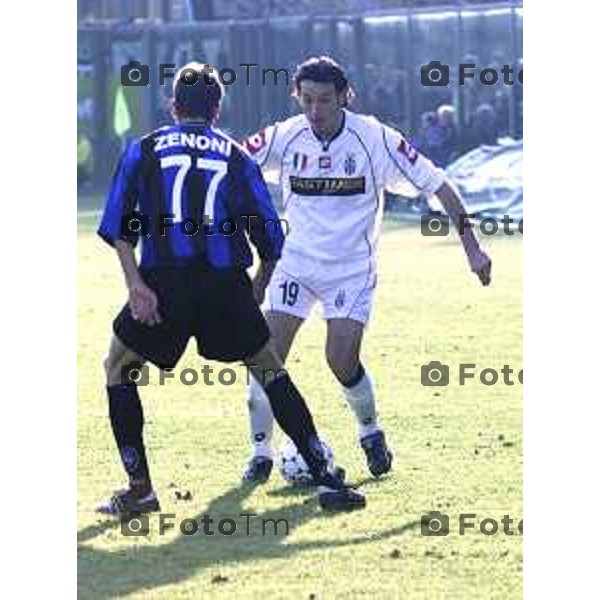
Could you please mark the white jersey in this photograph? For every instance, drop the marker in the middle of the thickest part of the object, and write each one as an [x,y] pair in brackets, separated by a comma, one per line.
[333,191]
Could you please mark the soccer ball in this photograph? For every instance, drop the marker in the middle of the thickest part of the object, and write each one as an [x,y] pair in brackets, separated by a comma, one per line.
[292,466]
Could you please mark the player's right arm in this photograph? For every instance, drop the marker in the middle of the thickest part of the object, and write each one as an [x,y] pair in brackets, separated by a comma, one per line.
[123,197]
[120,205]
[143,302]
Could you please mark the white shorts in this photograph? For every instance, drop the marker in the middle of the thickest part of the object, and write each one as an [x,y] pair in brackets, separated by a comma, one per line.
[345,290]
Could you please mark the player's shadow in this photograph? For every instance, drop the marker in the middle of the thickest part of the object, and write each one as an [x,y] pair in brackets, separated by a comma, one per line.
[308,491]
[109,574]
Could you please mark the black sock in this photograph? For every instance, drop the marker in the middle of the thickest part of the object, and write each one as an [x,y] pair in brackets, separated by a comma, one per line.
[127,420]
[293,416]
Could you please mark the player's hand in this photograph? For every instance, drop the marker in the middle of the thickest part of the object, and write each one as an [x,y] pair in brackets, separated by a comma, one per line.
[262,278]
[259,286]
[481,264]
[143,304]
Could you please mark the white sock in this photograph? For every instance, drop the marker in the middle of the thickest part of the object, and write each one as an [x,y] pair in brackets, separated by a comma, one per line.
[261,419]
[361,399]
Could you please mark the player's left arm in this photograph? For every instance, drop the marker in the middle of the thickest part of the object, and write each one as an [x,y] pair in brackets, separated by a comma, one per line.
[404,170]
[479,261]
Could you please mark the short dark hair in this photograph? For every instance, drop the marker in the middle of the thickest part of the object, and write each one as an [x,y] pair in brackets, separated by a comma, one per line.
[200,99]
[321,69]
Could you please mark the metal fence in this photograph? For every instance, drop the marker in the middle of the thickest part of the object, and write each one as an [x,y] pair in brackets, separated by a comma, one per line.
[382,52]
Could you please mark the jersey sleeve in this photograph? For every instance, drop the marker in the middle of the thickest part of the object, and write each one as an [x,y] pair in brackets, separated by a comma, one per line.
[261,219]
[265,147]
[403,169]
[123,197]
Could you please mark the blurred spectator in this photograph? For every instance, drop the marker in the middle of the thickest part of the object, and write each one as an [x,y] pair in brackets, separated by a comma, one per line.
[202,10]
[518,91]
[498,60]
[442,140]
[381,101]
[398,108]
[486,92]
[470,99]
[501,105]
[482,128]
[163,116]
[421,140]
[85,10]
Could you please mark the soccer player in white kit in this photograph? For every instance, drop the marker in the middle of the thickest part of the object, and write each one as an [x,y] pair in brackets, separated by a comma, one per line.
[333,166]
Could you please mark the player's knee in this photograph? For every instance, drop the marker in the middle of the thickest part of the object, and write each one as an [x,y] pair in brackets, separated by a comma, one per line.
[107,364]
[255,388]
[342,363]
[112,369]
[252,394]
[109,370]
[257,397]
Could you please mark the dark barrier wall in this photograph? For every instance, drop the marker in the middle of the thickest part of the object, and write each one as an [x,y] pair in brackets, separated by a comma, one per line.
[383,54]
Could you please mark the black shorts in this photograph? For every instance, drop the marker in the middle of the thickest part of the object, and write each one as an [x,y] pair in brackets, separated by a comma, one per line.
[216,306]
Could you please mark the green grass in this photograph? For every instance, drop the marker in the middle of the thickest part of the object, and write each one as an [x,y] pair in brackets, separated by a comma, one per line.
[458,448]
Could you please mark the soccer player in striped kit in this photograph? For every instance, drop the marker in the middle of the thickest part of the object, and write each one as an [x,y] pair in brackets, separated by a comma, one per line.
[184,190]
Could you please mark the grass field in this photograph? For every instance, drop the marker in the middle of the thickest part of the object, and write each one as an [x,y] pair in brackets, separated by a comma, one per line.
[458,448]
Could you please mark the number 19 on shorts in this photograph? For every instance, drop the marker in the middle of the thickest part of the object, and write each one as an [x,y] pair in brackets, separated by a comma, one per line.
[290,292]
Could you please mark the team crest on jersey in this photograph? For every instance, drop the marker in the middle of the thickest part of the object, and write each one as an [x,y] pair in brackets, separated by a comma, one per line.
[350,165]
[340,299]
[324,162]
[405,148]
[255,142]
[299,161]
